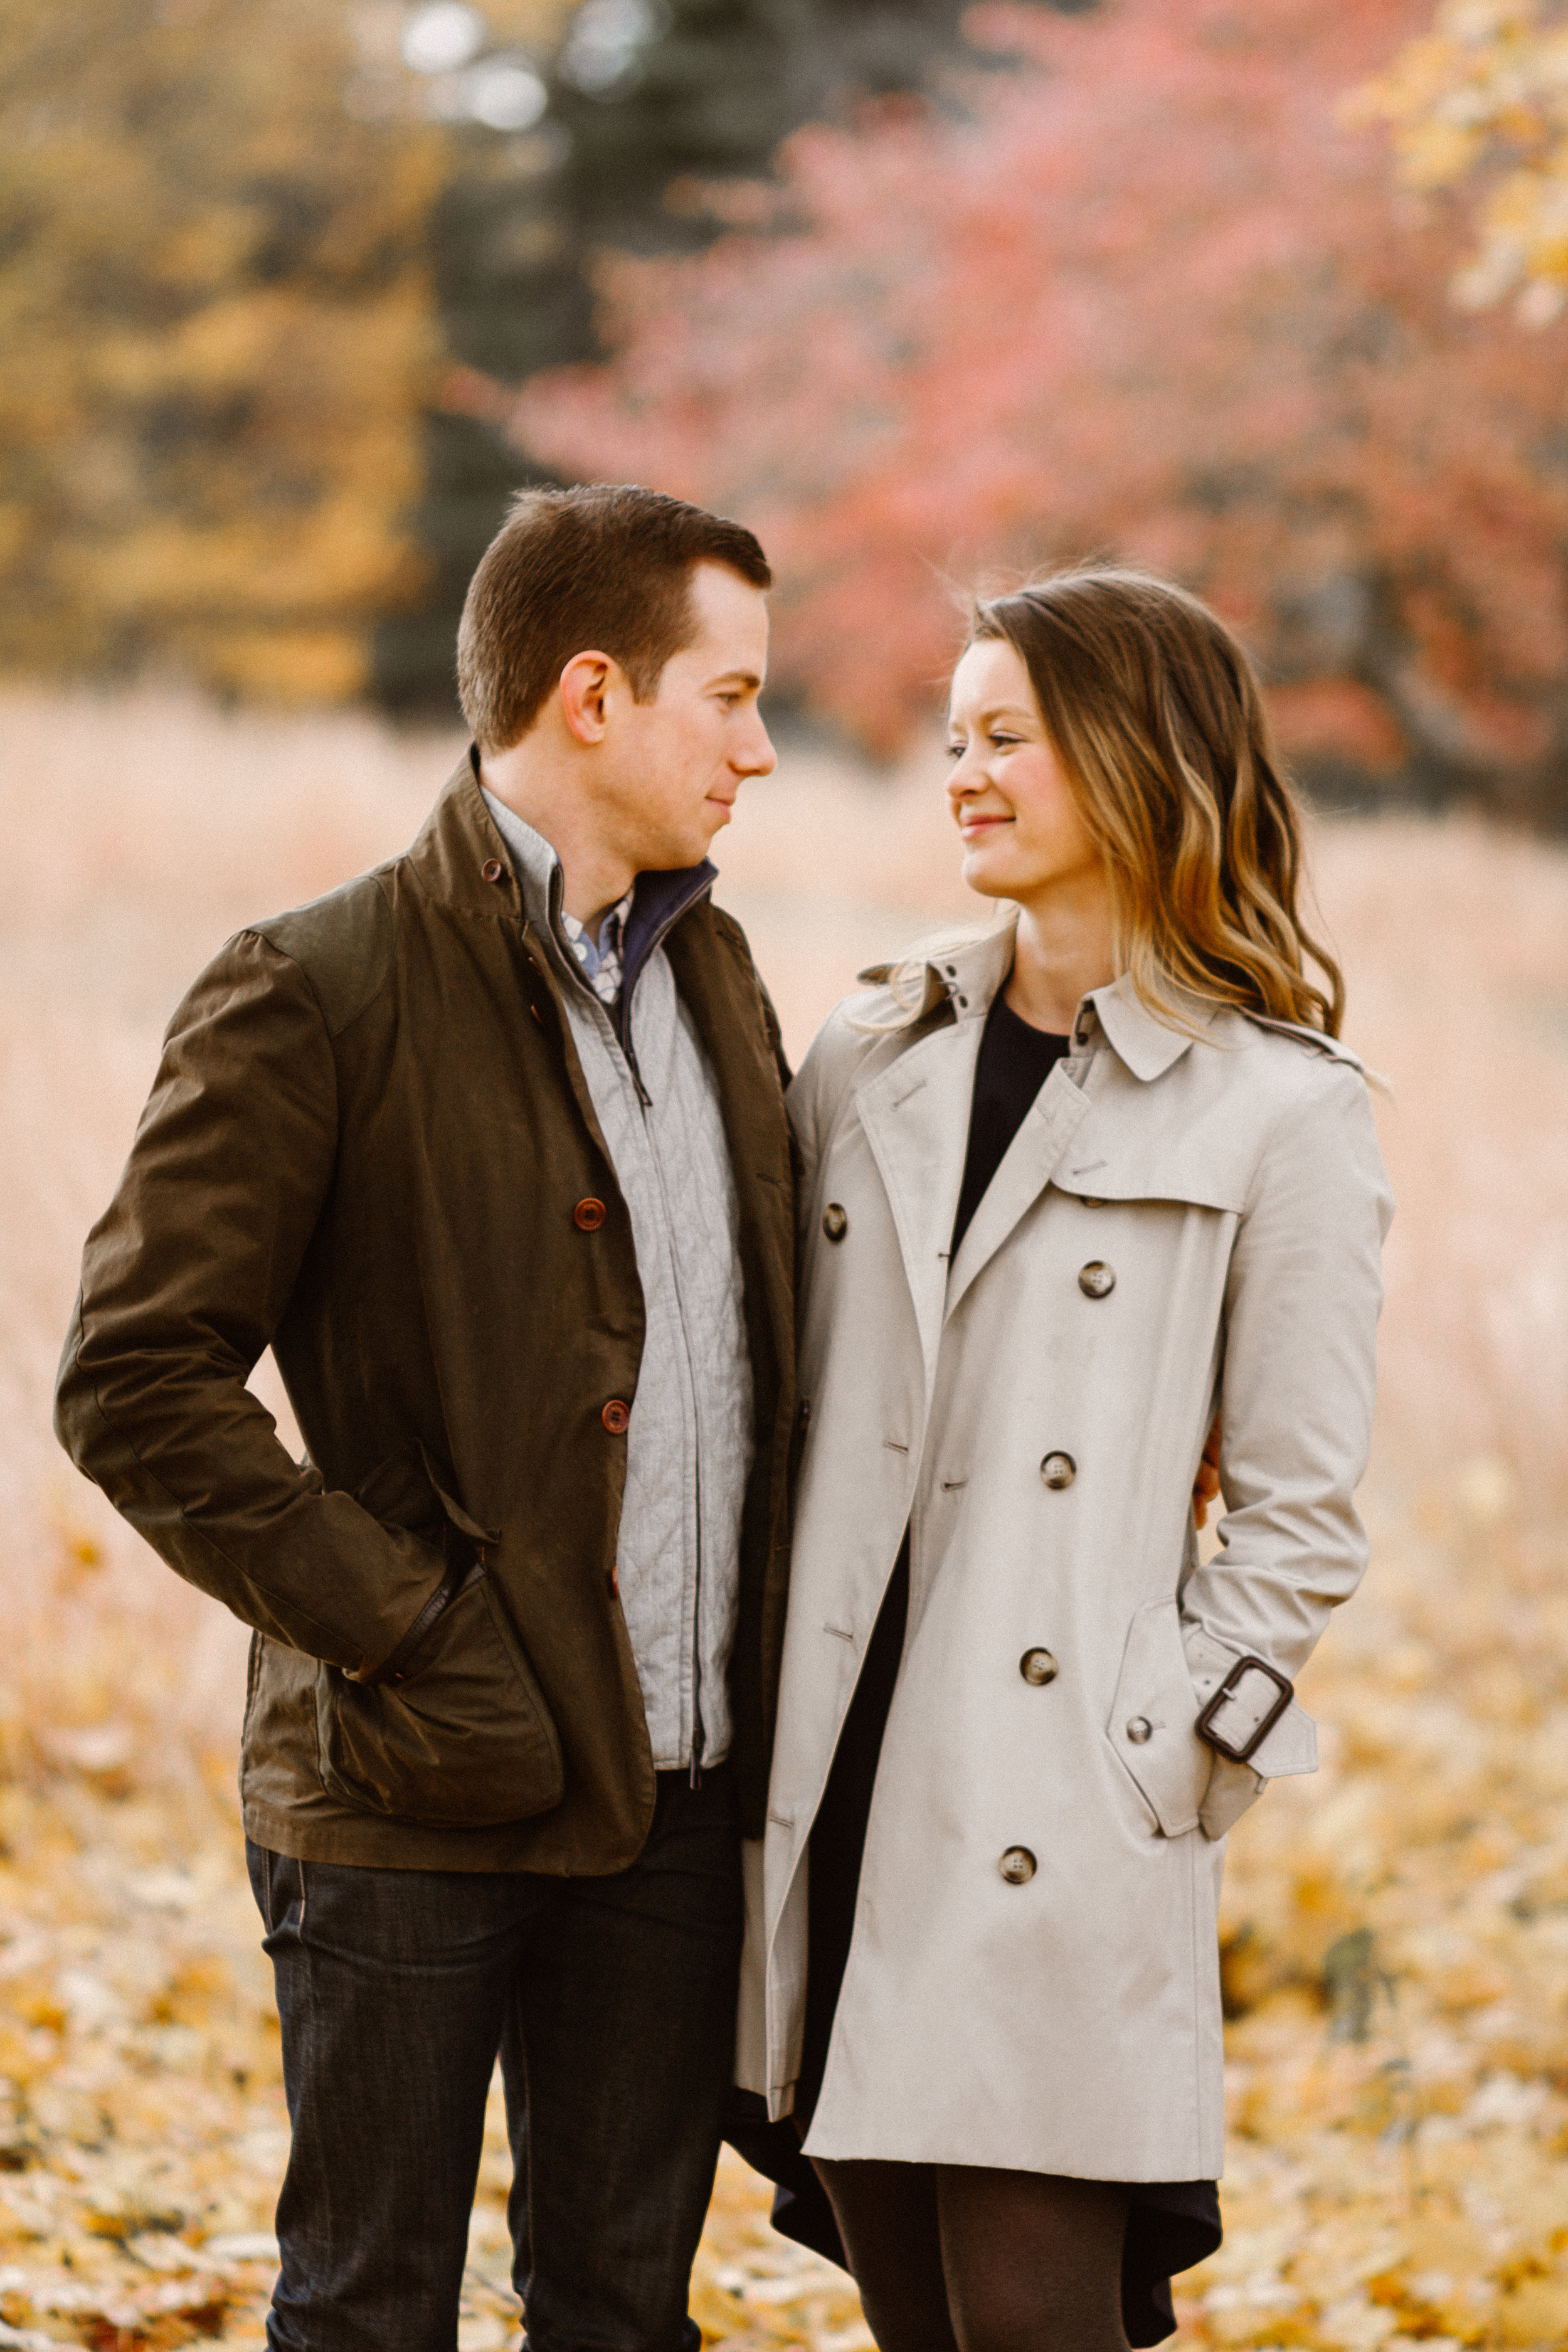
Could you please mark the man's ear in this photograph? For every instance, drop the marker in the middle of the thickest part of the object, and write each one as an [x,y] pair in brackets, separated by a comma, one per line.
[584,683]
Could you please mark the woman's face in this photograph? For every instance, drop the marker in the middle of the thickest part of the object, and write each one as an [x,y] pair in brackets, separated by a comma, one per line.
[1010,798]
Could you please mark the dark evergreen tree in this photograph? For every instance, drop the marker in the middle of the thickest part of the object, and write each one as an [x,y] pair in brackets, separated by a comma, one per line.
[642,92]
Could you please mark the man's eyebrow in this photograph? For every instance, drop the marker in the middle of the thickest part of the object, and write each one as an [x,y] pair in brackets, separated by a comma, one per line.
[740,678]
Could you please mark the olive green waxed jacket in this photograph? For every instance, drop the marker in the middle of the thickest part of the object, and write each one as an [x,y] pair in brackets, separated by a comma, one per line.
[365,1146]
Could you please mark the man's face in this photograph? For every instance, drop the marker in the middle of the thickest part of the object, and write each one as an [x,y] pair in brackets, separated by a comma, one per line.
[680,760]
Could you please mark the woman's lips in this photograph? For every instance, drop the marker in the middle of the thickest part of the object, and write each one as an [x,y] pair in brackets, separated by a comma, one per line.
[975,826]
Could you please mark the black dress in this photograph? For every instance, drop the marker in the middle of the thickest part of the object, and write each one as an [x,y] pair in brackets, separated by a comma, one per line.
[1171,2225]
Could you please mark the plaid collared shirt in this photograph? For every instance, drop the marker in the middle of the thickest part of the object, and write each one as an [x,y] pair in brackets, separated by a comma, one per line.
[601,958]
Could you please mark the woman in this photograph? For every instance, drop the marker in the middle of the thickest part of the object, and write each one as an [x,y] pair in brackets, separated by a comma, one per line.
[1070,1192]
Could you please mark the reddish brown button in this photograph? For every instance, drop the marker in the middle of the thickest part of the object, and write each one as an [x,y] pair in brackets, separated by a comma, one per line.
[616,1417]
[589,1216]
[492,869]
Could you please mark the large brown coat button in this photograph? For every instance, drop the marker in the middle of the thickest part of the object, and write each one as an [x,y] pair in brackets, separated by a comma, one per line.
[1018,1865]
[1059,1470]
[616,1417]
[492,869]
[1038,1667]
[1097,1280]
[835,1220]
[589,1215]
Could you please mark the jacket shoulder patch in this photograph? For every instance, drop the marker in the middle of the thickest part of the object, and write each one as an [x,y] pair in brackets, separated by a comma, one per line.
[342,943]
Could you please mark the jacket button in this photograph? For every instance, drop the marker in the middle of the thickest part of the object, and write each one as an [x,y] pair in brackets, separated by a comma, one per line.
[589,1215]
[1038,1667]
[1097,1280]
[835,1222]
[1059,1470]
[1018,1865]
[1140,1729]
[616,1417]
[492,869]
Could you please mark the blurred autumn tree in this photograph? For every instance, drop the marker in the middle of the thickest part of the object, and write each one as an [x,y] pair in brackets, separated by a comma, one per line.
[642,92]
[1152,293]
[216,313]
[1485,97]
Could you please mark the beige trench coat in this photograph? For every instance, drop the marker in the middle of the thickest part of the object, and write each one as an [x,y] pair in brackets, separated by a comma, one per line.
[1233,1188]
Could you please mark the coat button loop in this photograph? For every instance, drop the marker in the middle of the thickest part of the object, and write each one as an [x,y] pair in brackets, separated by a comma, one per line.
[835,1220]
[1038,1667]
[616,1417]
[1059,1470]
[492,869]
[1097,1280]
[1140,1729]
[1018,1865]
[589,1215]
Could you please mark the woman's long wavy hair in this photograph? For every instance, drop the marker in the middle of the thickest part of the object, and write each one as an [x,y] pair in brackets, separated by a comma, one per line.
[1155,712]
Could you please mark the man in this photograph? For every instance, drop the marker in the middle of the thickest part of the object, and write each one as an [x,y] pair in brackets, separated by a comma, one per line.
[489,1147]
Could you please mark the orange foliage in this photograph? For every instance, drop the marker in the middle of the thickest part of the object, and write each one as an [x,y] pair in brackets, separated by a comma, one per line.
[218,327]
[1147,291]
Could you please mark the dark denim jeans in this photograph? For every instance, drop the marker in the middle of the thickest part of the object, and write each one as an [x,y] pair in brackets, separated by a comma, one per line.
[612,2004]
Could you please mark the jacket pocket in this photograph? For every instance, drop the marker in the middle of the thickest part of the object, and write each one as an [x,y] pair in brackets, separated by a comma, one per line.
[463,1741]
[1151,1719]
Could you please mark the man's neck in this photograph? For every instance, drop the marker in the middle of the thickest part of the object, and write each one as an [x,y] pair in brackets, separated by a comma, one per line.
[595,876]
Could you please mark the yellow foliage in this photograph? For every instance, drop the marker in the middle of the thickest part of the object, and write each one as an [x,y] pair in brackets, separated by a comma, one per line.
[1487,93]
[220,339]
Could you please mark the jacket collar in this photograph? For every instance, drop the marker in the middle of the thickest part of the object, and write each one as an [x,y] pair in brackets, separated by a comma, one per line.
[971,975]
[660,897]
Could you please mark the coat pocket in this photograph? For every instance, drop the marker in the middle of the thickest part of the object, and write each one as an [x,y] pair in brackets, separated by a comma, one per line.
[464,1741]
[1151,1719]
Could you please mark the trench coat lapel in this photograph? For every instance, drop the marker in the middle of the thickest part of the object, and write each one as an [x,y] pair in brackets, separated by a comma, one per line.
[915,1114]
[1031,1159]
[1145,1046]
[915,1119]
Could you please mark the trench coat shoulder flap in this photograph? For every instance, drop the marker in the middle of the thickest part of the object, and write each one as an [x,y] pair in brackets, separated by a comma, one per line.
[1182,1113]
[1171,1666]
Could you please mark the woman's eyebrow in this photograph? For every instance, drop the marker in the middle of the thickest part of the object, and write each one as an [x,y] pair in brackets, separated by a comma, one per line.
[997,711]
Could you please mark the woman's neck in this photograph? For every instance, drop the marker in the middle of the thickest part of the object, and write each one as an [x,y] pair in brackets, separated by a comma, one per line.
[1065,947]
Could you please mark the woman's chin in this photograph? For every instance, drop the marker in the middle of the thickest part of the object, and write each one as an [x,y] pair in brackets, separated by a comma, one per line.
[987,876]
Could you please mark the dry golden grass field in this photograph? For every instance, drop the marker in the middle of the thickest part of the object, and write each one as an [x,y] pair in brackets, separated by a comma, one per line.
[1397,1954]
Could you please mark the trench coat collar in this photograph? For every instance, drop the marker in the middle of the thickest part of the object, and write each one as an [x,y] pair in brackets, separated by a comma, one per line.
[1147,1045]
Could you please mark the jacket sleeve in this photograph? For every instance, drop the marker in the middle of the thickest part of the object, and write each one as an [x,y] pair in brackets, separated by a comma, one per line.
[1297,1389]
[186,1278]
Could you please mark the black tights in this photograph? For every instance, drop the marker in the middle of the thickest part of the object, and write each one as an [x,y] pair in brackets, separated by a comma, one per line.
[966,2258]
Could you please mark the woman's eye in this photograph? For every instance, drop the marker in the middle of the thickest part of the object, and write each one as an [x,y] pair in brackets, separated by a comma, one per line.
[957,750]
[1001,741]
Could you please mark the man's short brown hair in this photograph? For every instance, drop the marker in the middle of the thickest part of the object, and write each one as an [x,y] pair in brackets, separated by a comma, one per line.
[605,569]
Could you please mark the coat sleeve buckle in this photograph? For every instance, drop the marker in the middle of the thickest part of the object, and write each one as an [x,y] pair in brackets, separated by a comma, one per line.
[1240,1716]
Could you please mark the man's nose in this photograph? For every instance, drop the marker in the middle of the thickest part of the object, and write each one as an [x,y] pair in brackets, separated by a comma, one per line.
[755,756]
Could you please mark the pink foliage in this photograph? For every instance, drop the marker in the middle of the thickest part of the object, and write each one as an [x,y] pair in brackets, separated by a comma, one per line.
[1145,292]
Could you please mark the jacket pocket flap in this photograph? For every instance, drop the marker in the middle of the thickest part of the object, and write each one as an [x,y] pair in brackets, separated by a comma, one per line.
[1152,1718]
